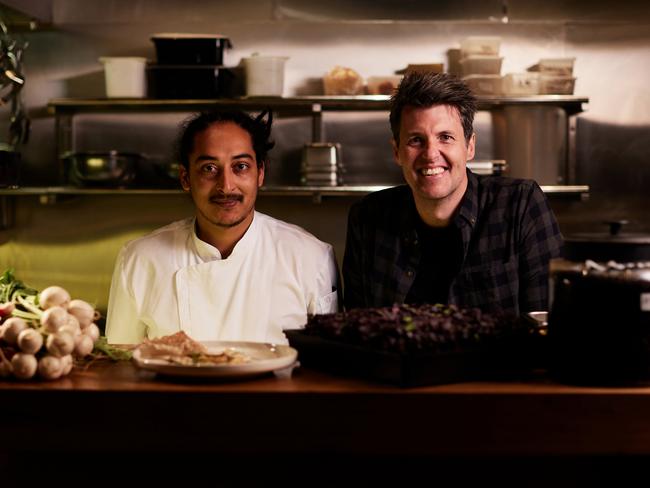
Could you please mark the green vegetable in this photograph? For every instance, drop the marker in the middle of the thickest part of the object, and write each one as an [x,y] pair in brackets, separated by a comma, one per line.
[11,288]
[114,353]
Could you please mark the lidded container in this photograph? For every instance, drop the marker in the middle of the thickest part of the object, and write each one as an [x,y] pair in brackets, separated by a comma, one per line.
[480,65]
[482,45]
[190,49]
[521,84]
[321,164]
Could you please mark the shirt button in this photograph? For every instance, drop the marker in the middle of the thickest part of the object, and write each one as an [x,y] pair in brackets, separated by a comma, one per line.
[409,273]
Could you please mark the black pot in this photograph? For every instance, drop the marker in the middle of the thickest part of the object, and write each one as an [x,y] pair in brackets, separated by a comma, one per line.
[599,323]
[616,245]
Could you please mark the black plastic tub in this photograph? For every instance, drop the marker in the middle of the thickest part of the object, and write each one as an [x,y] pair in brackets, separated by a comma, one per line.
[190,81]
[202,49]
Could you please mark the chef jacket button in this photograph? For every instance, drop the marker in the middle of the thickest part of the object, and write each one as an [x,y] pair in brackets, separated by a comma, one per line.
[409,273]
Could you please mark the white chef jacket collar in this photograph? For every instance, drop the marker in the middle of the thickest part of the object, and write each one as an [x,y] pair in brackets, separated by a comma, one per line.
[207,252]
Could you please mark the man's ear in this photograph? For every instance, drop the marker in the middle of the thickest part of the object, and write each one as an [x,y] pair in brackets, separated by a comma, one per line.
[184,177]
[395,147]
[260,174]
[471,146]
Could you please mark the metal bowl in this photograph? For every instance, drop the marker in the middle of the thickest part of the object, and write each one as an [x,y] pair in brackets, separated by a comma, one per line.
[109,169]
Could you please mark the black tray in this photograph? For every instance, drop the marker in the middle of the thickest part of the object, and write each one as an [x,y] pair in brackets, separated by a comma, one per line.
[403,369]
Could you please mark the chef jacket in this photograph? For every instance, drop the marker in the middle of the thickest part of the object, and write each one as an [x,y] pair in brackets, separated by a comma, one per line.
[170,280]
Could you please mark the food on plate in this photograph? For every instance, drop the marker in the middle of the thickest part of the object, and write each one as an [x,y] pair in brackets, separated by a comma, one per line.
[343,81]
[179,348]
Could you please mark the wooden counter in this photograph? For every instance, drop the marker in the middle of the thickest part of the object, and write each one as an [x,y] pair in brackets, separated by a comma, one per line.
[111,414]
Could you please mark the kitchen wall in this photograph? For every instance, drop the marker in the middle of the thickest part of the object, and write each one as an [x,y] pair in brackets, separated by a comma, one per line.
[73,241]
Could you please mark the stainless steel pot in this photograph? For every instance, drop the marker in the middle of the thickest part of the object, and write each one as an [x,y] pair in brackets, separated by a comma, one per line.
[599,322]
[105,169]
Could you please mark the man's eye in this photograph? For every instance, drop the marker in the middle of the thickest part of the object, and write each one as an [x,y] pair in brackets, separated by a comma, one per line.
[446,137]
[414,141]
[209,168]
[239,167]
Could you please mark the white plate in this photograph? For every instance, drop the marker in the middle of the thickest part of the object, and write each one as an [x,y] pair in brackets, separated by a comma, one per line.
[264,358]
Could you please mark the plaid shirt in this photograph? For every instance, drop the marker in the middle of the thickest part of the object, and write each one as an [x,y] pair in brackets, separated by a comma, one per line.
[509,234]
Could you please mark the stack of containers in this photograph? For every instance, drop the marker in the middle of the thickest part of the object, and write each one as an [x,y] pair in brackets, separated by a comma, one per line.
[480,64]
[190,66]
[556,76]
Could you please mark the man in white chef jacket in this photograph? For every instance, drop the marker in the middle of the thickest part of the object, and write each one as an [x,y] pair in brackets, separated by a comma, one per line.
[229,272]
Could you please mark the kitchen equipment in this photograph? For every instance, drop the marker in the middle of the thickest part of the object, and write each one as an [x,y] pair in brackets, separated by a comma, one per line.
[558,85]
[185,49]
[125,76]
[480,65]
[265,75]
[521,84]
[599,323]
[484,84]
[321,164]
[9,168]
[190,81]
[613,244]
[496,167]
[101,169]
[485,45]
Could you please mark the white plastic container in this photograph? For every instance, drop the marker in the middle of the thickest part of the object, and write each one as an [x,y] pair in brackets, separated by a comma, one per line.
[265,75]
[556,85]
[484,84]
[485,45]
[125,76]
[480,65]
[557,66]
[521,84]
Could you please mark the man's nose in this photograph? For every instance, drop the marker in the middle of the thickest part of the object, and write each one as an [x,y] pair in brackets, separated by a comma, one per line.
[432,150]
[226,179]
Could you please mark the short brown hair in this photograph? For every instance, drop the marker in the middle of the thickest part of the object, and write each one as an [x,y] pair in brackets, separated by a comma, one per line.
[423,90]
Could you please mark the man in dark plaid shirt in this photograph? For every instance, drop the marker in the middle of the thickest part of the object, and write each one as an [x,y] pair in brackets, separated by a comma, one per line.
[450,236]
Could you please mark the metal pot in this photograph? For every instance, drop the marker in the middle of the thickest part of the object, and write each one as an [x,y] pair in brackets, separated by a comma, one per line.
[603,246]
[104,169]
[599,322]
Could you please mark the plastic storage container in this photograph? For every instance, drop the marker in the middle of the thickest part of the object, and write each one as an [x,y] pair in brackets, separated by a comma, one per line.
[480,65]
[193,81]
[557,66]
[485,45]
[383,85]
[125,77]
[182,49]
[521,84]
[484,84]
[557,85]
[265,75]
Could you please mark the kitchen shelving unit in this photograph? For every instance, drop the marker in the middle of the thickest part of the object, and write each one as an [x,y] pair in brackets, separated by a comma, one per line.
[64,110]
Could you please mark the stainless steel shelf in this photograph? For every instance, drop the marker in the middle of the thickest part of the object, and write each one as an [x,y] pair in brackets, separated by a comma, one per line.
[307,103]
[265,190]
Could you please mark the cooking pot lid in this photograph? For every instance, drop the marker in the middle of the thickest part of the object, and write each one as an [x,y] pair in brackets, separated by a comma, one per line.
[614,236]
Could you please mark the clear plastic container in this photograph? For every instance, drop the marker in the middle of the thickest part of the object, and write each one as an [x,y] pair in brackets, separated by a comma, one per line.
[383,85]
[557,66]
[480,65]
[484,84]
[485,45]
[556,85]
[521,84]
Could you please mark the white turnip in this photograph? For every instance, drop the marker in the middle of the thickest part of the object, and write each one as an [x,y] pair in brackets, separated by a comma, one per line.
[54,318]
[30,341]
[66,363]
[24,365]
[54,296]
[83,311]
[60,343]
[12,327]
[50,367]
[83,346]
[93,331]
